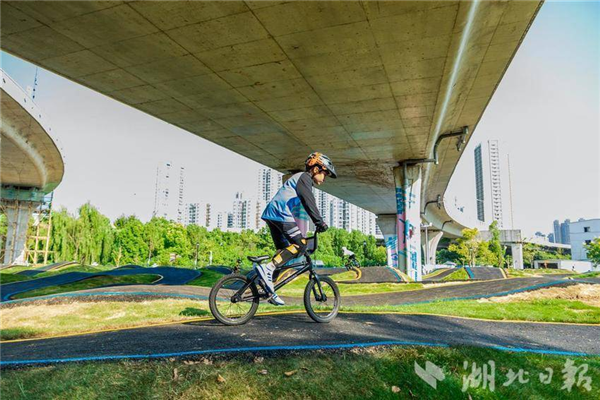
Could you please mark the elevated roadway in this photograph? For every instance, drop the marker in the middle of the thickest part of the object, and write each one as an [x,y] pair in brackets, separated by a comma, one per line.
[374,85]
[31,165]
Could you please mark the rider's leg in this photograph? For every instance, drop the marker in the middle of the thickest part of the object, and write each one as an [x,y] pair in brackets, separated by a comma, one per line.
[290,244]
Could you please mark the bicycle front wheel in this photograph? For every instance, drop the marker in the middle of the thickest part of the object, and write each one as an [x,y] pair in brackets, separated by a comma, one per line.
[228,308]
[322,305]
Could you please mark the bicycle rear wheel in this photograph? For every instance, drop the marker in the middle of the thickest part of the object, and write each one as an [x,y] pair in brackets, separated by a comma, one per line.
[225,308]
[322,307]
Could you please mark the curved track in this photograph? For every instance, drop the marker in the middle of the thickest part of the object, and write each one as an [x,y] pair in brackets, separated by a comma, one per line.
[296,331]
[170,276]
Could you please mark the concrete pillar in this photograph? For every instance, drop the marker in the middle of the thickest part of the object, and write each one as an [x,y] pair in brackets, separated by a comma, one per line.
[17,217]
[408,225]
[387,225]
[517,255]
[431,247]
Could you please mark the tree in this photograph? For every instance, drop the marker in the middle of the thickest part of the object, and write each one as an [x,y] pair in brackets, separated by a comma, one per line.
[593,250]
[467,246]
[130,245]
[495,245]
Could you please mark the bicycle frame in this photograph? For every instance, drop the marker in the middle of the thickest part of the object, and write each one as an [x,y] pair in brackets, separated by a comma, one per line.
[306,266]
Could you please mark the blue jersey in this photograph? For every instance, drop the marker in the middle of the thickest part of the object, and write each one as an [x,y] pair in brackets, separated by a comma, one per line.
[294,196]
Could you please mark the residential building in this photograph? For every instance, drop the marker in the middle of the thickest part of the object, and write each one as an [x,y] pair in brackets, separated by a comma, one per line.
[479,186]
[495,182]
[581,233]
[198,214]
[169,192]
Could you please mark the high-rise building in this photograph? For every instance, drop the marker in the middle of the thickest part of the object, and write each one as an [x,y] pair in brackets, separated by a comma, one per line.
[495,181]
[551,238]
[269,182]
[557,234]
[565,231]
[244,213]
[169,192]
[198,214]
[479,192]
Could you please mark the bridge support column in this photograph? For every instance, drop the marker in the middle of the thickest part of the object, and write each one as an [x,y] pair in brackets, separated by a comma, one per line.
[387,225]
[430,247]
[517,254]
[408,226]
[17,216]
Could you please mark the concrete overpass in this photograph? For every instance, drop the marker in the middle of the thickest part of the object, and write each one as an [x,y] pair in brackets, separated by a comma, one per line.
[374,85]
[30,164]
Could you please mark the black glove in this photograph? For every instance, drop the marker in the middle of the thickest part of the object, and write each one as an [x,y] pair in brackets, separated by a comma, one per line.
[322,227]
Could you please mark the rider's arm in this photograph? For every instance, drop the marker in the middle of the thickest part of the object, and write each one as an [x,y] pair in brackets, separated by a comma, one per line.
[305,194]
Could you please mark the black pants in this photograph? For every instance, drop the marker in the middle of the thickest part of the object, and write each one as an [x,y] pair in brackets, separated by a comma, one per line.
[288,240]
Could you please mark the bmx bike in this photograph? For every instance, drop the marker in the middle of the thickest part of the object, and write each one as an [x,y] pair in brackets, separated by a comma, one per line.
[234,299]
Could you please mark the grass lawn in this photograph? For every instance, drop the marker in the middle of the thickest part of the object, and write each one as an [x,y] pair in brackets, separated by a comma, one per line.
[76,268]
[90,283]
[518,273]
[435,273]
[458,275]
[379,373]
[547,310]
[14,269]
[27,321]
[593,274]
[207,279]
[10,278]
[296,288]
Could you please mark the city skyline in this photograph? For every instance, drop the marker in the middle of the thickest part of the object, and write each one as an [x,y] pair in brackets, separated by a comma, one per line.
[246,210]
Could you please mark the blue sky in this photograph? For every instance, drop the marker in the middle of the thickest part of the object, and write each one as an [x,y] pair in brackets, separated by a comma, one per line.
[545,114]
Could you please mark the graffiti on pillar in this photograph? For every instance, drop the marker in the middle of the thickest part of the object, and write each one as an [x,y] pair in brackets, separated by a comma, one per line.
[408,223]
[391,243]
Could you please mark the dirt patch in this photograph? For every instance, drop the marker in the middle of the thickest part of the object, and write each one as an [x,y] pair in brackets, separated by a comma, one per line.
[588,294]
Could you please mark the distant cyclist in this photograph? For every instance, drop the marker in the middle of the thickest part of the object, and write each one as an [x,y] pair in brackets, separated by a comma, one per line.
[286,234]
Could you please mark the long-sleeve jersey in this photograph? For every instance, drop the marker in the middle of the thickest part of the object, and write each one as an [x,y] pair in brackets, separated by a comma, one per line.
[295,191]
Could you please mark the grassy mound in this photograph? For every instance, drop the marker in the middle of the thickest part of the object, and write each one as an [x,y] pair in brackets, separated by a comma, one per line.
[458,275]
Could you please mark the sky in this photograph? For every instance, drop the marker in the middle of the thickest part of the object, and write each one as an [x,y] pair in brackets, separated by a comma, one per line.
[545,114]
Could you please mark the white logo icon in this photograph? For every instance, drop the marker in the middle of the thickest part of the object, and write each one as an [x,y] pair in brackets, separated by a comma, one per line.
[431,374]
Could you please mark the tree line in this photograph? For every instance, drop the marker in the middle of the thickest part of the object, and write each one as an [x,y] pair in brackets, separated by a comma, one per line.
[90,237]
[471,250]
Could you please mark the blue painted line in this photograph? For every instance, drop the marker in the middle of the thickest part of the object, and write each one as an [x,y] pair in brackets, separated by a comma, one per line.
[281,348]
[395,273]
[469,272]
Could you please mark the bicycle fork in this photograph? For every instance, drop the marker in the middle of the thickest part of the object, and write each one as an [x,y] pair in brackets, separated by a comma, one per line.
[318,289]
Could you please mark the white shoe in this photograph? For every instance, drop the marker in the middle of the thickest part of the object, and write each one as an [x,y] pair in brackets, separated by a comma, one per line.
[266,273]
[276,300]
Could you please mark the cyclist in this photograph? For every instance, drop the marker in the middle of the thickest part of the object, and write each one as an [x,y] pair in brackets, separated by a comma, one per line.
[278,215]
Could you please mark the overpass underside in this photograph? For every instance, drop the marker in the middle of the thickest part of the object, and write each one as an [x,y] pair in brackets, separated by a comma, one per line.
[369,83]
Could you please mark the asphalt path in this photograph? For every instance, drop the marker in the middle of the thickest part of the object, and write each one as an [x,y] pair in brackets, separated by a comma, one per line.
[170,276]
[299,332]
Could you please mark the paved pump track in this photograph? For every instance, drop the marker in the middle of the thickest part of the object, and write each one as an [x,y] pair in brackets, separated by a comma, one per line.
[170,276]
[295,331]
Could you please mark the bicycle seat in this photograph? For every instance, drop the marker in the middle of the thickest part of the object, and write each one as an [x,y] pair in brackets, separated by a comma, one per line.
[258,259]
